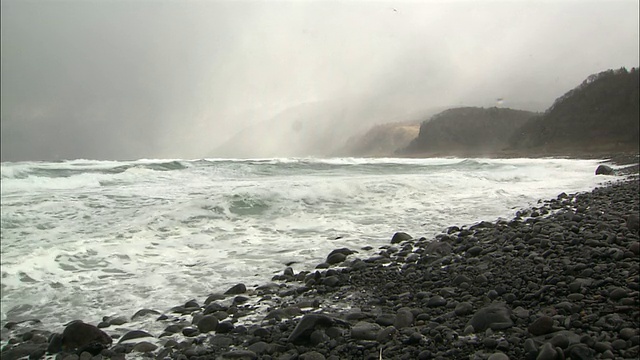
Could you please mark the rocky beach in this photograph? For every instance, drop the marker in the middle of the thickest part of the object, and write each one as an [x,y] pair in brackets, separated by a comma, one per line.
[557,281]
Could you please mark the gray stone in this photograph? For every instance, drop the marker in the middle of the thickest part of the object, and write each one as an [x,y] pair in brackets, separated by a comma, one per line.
[463,308]
[134,334]
[542,325]
[207,323]
[495,316]
[80,336]
[547,352]
[365,331]
[498,356]
[436,301]
[236,290]
[144,347]
[404,318]
[307,325]
[400,237]
[604,170]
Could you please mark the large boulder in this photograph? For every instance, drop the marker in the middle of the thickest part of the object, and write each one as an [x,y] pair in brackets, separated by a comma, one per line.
[496,316]
[79,337]
[605,170]
[307,325]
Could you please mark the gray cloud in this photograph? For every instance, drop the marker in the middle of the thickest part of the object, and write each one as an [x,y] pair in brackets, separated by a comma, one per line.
[131,79]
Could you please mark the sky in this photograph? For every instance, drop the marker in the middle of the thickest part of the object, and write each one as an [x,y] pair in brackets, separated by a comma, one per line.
[129,79]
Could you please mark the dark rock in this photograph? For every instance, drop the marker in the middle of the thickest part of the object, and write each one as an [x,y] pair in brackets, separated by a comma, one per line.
[386,334]
[78,336]
[404,318]
[134,334]
[224,327]
[191,304]
[580,352]
[618,293]
[604,170]
[400,237]
[436,301]
[190,332]
[312,355]
[365,331]
[239,355]
[547,352]
[207,323]
[474,251]
[22,350]
[236,290]
[213,297]
[495,316]
[144,312]
[633,222]
[307,325]
[628,333]
[463,308]
[498,356]
[542,325]
[145,347]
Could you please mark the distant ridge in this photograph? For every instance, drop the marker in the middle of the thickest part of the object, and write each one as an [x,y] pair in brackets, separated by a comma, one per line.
[467,130]
[600,115]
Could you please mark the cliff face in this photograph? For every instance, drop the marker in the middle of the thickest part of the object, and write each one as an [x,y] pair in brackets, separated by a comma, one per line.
[468,130]
[602,114]
[381,140]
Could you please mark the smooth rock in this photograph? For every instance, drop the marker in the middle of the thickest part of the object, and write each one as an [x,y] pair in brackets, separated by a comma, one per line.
[495,316]
[236,290]
[79,336]
[365,331]
[542,325]
[207,323]
[400,237]
[307,325]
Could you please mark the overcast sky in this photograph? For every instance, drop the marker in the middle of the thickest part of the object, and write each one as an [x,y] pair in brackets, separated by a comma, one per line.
[175,79]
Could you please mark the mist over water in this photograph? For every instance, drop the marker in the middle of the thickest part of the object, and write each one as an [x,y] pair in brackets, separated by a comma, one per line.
[168,79]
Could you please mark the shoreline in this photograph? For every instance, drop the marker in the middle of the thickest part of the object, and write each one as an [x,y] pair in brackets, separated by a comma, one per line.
[418,297]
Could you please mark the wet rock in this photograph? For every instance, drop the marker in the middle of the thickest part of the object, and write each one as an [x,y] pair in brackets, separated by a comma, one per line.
[307,325]
[463,308]
[22,350]
[144,312]
[312,355]
[604,170]
[542,325]
[404,318]
[134,334]
[145,347]
[78,337]
[236,290]
[495,316]
[400,237]
[224,327]
[498,356]
[207,323]
[547,352]
[365,331]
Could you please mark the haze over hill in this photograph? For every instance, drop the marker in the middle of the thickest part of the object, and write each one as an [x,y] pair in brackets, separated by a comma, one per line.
[467,131]
[601,114]
[178,79]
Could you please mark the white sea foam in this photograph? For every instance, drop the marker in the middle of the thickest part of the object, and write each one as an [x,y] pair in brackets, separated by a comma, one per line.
[84,239]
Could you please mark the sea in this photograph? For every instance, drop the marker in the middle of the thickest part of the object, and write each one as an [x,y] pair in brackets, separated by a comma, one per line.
[85,239]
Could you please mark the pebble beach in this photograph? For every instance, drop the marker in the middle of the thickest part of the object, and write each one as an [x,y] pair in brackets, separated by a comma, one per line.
[557,281]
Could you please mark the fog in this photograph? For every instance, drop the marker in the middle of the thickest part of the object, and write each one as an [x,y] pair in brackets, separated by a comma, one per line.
[172,79]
